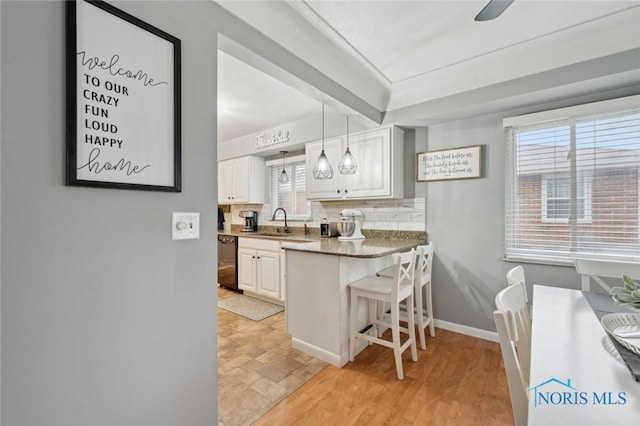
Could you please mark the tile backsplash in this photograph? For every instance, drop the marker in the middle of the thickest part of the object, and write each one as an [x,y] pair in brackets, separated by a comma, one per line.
[396,215]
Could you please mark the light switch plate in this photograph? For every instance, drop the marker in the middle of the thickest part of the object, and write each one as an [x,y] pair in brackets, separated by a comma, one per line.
[185,226]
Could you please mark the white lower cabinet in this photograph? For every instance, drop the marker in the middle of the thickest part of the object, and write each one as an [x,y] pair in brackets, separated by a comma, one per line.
[259,267]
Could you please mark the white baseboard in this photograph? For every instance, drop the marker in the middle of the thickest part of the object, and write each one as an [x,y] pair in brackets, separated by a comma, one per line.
[491,336]
[317,352]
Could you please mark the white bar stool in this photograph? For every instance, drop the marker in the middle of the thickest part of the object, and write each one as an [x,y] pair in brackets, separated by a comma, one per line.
[423,312]
[393,291]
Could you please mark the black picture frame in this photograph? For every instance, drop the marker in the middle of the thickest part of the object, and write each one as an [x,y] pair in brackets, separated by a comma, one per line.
[123,101]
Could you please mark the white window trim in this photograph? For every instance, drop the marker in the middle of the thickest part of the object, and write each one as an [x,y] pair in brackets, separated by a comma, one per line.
[293,159]
[587,184]
[593,108]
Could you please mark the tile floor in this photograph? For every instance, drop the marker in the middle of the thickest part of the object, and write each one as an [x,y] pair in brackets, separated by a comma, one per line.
[257,367]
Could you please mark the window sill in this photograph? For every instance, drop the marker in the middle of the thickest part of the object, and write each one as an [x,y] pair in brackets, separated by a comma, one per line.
[546,262]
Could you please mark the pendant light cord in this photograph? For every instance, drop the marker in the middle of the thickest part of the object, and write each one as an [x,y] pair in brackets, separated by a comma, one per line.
[323,127]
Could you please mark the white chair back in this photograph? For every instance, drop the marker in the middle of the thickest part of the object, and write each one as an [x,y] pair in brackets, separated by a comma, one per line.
[403,273]
[516,276]
[424,260]
[590,269]
[514,331]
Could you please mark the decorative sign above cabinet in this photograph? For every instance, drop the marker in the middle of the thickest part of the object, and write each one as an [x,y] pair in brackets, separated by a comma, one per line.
[281,136]
[447,164]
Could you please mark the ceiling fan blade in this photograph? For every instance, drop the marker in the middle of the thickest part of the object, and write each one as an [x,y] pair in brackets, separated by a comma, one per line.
[493,9]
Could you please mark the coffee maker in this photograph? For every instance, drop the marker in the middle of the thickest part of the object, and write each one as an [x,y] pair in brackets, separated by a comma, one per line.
[250,220]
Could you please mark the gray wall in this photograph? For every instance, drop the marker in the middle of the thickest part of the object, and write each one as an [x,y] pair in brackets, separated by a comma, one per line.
[465,220]
[105,320]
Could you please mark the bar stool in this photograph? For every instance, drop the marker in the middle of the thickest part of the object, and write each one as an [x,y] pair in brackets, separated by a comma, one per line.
[422,285]
[393,291]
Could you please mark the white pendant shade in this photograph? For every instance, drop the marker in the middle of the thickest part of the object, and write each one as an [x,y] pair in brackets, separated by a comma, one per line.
[322,170]
[283,178]
[347,165]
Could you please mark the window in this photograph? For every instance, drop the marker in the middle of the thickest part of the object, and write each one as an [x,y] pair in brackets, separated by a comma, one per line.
[573,183]
[291,196]
[556,199]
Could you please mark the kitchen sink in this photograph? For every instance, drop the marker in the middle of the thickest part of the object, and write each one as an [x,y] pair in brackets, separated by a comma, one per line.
[282,235]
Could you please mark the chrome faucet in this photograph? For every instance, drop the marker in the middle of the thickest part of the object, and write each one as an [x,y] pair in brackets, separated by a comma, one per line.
[286,227]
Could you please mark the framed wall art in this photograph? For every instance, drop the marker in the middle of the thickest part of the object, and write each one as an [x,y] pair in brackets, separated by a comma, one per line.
[123,101]
[447,164]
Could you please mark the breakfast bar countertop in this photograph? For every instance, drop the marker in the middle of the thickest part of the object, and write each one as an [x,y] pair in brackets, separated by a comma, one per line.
[369,247]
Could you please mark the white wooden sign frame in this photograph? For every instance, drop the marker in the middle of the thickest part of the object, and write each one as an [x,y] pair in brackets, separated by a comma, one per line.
[123,100]
[449,164]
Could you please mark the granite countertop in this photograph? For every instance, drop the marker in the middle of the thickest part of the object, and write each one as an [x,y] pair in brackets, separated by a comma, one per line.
[377,245]
[272,236]
[370,247]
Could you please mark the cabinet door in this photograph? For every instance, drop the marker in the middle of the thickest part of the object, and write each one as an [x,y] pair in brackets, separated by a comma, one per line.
[269,274]
[225,182]
[247,270]
[328,188]
[241,180]
[372,151]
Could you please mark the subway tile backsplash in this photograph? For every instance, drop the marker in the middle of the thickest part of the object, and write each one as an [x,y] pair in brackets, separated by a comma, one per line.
[397,215]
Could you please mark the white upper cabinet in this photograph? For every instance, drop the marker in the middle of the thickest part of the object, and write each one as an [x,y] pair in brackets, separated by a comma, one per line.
[379,154]
[241,180]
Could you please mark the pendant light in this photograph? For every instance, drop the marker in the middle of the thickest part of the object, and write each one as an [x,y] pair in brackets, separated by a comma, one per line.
[347,165]
[284,177]
[322,170]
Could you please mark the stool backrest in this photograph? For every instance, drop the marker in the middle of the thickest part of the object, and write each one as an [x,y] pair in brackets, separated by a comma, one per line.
[403,271]
[424,260]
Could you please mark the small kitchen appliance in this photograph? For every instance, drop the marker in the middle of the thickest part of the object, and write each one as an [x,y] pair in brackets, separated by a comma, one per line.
[328,229]
[349,226]
[250,220]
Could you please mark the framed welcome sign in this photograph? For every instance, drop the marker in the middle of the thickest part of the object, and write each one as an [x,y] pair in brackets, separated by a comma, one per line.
[123,101]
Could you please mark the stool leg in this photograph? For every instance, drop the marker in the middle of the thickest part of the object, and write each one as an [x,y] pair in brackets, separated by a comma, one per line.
[373,308]
[353,314]
[395,333]
[419,317]
[412,330]
[430,308]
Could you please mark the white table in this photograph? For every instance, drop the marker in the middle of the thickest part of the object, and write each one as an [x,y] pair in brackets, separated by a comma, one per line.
[569,346]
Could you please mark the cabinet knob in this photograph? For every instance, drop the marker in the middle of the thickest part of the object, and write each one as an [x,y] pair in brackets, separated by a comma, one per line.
[253,257]
[338,191]
[258,257]
[346,190]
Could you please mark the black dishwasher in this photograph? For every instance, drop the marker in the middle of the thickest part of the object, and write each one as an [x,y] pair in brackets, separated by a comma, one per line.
[228,262]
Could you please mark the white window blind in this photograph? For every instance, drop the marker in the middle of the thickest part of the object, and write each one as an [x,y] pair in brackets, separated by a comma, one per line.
[573,187]
[291,196]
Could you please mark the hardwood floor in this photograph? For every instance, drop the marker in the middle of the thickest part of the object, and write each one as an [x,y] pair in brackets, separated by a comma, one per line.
[458,380]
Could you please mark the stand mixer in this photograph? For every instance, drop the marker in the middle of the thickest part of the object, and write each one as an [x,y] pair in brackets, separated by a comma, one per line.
[349,227]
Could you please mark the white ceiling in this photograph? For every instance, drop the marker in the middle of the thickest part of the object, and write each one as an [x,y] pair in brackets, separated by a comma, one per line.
[404,53]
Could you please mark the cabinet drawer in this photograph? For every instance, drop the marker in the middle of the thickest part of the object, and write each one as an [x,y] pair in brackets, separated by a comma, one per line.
[259,244]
